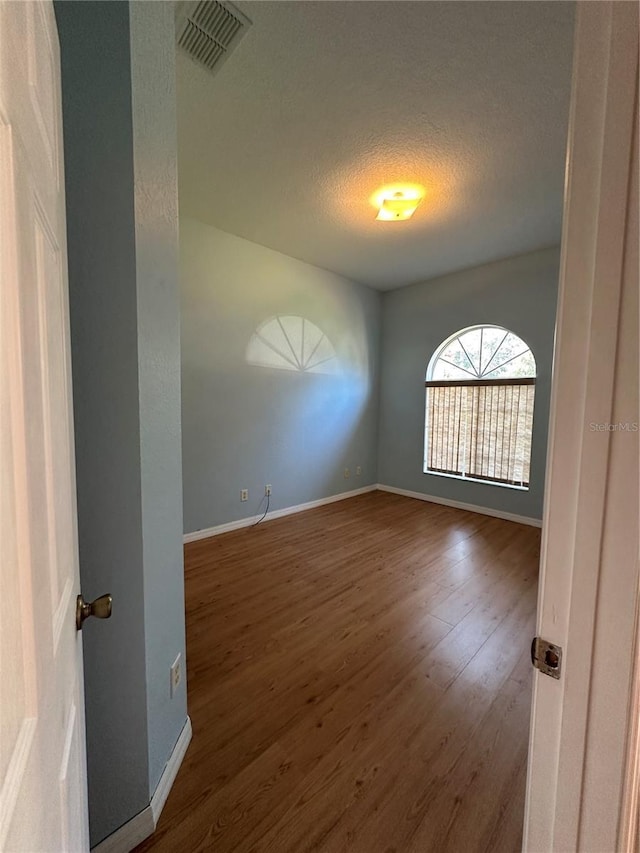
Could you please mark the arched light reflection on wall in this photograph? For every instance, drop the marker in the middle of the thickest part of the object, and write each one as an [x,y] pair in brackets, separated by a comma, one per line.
[292,343]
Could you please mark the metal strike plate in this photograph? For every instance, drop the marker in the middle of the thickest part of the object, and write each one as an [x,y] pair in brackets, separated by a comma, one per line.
[546,656]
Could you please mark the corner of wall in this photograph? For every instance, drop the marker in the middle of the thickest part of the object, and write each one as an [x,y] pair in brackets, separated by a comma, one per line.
[152,47]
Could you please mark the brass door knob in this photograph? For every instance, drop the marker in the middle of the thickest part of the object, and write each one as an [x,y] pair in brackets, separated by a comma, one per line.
[100,608]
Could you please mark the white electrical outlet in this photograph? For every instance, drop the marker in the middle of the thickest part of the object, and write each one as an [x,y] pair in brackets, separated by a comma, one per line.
[267,490]
[347,473]
[244,494]
[358,470]
[176,674]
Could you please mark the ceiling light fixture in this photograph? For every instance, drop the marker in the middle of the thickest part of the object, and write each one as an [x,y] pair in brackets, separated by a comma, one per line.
[398,202]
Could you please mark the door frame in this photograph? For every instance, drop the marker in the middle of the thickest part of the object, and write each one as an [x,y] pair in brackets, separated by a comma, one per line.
[598,173]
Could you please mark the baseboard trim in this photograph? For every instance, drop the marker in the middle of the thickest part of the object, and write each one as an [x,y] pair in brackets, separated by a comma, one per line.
[134,831]
[170,772]
[277,513]
[290,510]
[130,834]
[482,510]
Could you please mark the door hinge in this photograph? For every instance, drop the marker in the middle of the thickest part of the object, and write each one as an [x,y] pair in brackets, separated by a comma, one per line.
[546,656]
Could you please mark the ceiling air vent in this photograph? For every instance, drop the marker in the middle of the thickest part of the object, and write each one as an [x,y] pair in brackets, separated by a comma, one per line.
[209,30]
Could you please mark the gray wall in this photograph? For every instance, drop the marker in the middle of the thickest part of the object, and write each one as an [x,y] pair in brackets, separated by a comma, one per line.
[518,293]
[246,425]
[156,220]
[122,247]
[98,143]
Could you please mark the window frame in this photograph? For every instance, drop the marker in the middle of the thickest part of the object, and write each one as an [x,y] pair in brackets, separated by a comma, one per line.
[457,383]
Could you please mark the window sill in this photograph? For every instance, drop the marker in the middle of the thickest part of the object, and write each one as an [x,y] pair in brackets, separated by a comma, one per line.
[475,480]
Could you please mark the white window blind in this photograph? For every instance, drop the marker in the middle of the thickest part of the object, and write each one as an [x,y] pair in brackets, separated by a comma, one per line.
[480,429]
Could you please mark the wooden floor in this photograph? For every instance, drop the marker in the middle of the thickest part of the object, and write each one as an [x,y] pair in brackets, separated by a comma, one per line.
[358,681]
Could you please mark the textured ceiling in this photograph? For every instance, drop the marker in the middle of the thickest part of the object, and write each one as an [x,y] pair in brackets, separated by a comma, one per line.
[323,102]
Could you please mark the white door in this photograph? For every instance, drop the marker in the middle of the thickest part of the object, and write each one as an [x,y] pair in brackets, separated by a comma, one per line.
[580,729]
[43,805]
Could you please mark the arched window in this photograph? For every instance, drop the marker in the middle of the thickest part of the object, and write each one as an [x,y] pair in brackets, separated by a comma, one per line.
[480,389]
